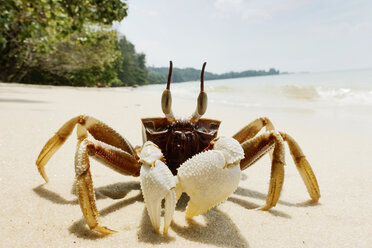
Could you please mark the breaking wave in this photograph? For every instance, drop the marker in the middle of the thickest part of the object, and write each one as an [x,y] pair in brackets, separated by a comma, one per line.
[329,95]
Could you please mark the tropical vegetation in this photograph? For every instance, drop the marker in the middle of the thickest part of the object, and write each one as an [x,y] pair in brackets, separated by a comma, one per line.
[71,42]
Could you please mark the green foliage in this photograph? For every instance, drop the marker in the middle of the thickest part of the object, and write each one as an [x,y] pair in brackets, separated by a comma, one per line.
[133,70]
[156,78]
[190,74]
[31,29]
[89,59]
[248,73]
[97,58]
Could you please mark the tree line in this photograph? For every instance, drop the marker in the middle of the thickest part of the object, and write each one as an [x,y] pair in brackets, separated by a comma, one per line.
[190,74]
[70,42]
[67,42]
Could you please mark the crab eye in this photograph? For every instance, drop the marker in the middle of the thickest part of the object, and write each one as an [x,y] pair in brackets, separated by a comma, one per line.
[214,126]
[202,103]
[166,98]
[208,127]
[166,102]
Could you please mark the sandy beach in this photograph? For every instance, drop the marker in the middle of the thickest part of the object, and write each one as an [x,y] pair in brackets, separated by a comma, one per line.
[337,142]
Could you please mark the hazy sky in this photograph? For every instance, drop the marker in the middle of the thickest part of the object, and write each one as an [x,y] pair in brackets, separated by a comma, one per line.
[235,35]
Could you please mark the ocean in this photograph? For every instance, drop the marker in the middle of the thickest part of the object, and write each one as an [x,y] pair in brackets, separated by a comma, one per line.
[342,91]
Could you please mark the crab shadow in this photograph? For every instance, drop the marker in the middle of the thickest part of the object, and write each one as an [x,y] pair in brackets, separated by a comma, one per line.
[49,195]
[218,229]
[114,191]
[146,234]
[19,100]
[217,224]
[80,229]
[258,195]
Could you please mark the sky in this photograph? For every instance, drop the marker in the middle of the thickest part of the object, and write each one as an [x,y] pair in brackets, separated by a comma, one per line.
[237,35]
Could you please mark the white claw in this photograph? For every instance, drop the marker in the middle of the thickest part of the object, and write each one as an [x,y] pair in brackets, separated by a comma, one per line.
[170,205]
[154,211]
[211,177]
[157,183]
[231,149]
[150,153]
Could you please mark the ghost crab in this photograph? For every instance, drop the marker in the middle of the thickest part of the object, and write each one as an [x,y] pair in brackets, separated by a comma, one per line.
[178,155]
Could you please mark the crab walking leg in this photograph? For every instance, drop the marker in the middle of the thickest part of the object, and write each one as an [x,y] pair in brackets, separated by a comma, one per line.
[157,183]
[303,167]
[87,203]
[254,149]
[114,158]
[253,128]
[85,189]
[277,172]
[96,128]
[53,144]
[258,146]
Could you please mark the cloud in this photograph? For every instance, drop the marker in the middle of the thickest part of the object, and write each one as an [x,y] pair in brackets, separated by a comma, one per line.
[225,9]
[228,7]
[342,30]
[254,10]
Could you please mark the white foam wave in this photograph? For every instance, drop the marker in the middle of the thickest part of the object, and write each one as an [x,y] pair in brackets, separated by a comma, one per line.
[329,95]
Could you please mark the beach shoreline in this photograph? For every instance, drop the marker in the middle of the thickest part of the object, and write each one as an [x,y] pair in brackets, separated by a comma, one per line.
[35,214]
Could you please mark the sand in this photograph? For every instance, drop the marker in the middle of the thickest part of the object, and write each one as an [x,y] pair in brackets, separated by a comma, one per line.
[337,142]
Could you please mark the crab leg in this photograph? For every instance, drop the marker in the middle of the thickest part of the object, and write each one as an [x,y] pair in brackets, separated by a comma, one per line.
[256,147]
[96,128]
[253,128]
[53,144]
[303,167]
[113,157]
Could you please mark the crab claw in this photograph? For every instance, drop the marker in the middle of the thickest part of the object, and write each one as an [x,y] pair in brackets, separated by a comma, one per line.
[157,183]
[210,177]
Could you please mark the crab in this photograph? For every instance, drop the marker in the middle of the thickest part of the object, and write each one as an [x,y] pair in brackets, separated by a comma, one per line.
[179,155]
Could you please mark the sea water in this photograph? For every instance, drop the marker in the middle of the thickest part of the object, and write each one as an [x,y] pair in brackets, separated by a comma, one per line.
[339,89]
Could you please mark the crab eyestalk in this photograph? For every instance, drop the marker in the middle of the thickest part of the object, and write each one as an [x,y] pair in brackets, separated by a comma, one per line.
[166,98]
[202,102]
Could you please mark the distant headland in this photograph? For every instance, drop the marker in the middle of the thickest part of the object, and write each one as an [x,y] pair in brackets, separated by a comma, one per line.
[158,75]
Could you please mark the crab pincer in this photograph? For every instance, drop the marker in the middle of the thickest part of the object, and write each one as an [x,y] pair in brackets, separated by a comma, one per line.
[157,183]
[210,177]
